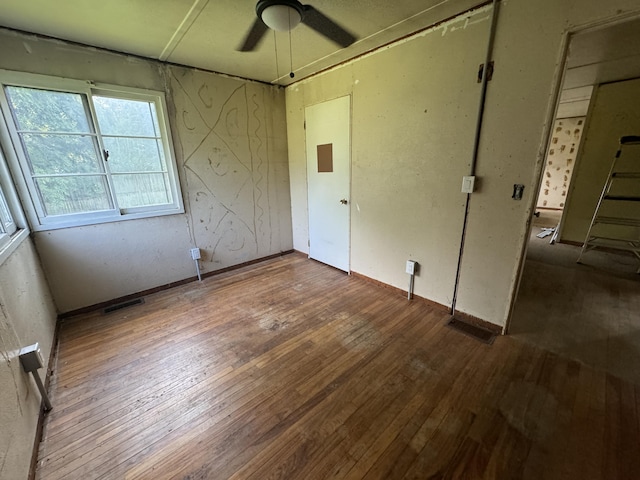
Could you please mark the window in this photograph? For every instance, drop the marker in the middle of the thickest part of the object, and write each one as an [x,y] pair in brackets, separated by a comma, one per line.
[11,219]
[89,153]
[7,225]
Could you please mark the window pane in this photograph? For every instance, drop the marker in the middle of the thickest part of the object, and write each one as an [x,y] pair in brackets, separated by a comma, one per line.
[55,154]
[47,111]
[141,190]
[64,195]
[126,117]
[134,154]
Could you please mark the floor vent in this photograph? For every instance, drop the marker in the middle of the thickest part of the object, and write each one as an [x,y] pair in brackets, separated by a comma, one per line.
[120,306]
[473,331]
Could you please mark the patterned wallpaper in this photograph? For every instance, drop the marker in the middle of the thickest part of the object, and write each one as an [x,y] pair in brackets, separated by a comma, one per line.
[560,162]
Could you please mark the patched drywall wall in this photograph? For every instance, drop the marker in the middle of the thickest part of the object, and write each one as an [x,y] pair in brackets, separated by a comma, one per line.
[561,160]
[27,316]
[520,103]
[230,141]
[234,159]
[615,113]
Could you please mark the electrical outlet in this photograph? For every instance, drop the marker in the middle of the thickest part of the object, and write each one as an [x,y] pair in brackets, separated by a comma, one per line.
[411,267]
[195,253]
[31,358]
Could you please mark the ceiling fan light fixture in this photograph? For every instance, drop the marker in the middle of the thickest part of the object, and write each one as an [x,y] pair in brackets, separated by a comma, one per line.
[281,17]
[285,15]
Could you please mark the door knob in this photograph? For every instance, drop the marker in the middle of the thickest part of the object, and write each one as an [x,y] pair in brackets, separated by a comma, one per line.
[344,201]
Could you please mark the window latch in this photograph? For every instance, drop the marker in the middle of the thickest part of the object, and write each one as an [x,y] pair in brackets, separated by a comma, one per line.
[106,155]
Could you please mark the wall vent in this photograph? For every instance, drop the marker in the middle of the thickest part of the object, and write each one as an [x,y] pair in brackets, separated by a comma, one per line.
[120,306]
[473,331]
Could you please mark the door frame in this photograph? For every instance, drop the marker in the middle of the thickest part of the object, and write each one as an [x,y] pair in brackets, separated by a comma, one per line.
[350,183]
[552,109]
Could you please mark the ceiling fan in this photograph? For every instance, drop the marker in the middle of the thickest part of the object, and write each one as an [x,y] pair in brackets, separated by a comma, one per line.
[284,15]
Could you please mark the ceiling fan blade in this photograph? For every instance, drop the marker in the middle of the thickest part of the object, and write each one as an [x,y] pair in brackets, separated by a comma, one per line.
[327,27]
[255,34]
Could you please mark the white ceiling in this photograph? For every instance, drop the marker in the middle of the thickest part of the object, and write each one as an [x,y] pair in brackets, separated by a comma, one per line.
[206,33]
[606,54]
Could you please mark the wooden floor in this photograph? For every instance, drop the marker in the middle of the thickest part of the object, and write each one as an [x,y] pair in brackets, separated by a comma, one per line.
[293,370]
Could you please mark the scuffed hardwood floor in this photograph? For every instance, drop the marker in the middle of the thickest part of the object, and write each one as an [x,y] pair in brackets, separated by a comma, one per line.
[292,370]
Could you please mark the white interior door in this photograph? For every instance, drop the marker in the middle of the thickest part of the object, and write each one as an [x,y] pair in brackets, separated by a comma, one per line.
[328,136]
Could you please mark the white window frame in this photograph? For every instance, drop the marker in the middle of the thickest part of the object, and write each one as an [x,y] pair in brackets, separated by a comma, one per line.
[20,165]
[8,226]
[12,227]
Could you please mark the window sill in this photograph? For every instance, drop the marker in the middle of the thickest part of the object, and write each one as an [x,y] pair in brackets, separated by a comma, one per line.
[13,244]
[85,222]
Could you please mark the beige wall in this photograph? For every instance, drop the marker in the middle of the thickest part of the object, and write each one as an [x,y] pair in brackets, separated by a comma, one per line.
[230,142]
[27,316]
[615,113]
[520,102]
[402,196]
[410,148]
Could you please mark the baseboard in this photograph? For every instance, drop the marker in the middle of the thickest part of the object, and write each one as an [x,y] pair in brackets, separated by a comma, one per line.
[126,298]
[615,251]
[570,242]
[431,303]
[478,322]
[53,357]
[463,317]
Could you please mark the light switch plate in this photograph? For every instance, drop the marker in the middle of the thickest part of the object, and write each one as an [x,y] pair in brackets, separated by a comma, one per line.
[518,188]
[468,183]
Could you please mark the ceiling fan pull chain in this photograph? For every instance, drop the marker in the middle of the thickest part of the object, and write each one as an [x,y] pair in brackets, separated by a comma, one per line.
[291,74]
[275,46]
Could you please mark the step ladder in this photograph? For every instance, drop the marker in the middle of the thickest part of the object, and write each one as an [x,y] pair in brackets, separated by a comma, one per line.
[616,221]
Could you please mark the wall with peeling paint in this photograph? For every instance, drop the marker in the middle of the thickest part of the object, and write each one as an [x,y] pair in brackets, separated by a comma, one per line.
[615,113]
[406,214]
[27,316]
[230,142]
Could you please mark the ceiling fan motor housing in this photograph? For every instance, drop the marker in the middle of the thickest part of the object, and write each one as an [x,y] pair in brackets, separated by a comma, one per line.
[284,15]
[281,15]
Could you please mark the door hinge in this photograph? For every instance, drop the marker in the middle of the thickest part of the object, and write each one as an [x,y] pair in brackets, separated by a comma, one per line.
[489,72]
